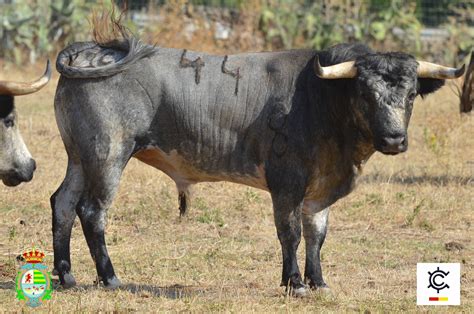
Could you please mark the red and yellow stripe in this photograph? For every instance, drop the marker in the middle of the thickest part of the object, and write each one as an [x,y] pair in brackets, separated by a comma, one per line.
[438,298]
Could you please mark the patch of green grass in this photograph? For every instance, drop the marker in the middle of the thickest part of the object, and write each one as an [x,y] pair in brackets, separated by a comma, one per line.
[370,199]
[208,215]
[373,199]
[426,225]
[252,196]
[12,233]
[6,208]
[211,216]
[405,195]
[359,240]
[411,217]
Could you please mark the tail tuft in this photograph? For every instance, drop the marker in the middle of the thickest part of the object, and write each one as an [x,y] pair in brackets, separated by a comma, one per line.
[107,27]
[183,206]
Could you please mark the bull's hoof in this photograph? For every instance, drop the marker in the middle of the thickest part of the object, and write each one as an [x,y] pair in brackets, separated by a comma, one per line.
[112,283]
[298,290]
[55,272]
[67,280]
[316,284]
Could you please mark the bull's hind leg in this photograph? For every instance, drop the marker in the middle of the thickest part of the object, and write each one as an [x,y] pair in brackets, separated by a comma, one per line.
[314,231]
[101,180]
[63,203]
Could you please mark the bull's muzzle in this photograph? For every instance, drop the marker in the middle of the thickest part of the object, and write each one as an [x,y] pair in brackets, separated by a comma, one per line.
[392,145]
[20,174]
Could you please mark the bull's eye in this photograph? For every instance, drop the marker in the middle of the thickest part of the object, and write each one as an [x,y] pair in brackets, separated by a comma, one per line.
[411,97]
[9,123]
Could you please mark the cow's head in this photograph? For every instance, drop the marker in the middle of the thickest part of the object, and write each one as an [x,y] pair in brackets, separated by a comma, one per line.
[386,85]
[16,164]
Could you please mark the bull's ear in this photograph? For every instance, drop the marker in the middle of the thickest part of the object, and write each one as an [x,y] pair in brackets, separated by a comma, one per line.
[6,105]
[428,85]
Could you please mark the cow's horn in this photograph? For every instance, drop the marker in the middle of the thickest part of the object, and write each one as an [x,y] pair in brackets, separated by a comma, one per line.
[336,71]
[17,88]
[436,71]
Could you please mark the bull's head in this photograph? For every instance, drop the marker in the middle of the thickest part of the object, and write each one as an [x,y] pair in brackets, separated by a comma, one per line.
[16,164]
[386,85]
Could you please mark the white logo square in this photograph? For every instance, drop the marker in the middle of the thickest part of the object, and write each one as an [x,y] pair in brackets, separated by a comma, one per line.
[438,284]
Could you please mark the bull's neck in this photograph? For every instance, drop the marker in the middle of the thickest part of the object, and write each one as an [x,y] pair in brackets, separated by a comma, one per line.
[363,141]
[334,117]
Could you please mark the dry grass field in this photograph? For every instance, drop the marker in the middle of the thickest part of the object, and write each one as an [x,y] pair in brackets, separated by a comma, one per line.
[225,255]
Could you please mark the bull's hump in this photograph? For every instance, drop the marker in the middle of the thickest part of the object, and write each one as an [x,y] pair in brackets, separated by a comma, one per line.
[186,172]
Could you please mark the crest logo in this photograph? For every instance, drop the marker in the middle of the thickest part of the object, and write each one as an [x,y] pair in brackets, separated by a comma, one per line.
[33,281]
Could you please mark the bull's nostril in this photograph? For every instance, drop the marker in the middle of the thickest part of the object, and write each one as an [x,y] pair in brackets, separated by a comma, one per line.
[33,164]
[394,141]
[393,144]
[404,141]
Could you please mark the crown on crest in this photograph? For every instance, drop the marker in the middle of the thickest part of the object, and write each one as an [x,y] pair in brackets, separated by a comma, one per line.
[33,256]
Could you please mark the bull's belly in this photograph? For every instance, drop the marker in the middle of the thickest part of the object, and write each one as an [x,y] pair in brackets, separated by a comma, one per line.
[185,172]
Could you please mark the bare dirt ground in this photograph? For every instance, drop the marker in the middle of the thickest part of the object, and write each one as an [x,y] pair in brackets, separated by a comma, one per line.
[225,256]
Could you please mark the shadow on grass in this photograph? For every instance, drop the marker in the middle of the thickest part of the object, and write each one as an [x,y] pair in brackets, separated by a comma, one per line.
[7,285]
[170,292]
[442,180]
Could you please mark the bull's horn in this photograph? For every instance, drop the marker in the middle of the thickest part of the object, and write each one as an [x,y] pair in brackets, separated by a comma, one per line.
[436,71]
[17,88]
[336,71]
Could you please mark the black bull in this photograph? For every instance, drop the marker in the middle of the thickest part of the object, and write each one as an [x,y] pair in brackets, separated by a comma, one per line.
[276,121]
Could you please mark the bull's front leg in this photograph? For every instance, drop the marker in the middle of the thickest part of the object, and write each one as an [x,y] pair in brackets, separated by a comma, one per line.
[287,213]
[314,231]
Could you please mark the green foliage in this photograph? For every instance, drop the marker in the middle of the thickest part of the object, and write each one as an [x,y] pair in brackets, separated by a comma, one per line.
[286,21]
[435,12]
[32,28]
[283,23]
[318,25]
[396,26]
[461,33]
[219,3]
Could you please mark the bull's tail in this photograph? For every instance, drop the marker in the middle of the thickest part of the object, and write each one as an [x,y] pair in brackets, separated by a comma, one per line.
[92,60]
[183,206]
[184,198]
